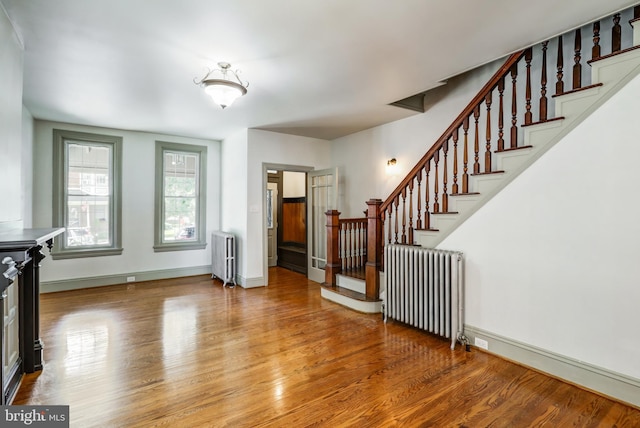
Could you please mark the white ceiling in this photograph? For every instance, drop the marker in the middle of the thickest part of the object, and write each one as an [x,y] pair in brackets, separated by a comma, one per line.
[320,68]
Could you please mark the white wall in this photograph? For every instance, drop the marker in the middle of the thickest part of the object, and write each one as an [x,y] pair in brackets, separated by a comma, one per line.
[10,125]
[277,149]
[552,260]
[137,205]
[362,157]
[27,168]
[233,204]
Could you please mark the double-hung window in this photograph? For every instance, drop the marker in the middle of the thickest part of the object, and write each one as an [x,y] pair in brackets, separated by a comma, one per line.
[180,197]
[87,194]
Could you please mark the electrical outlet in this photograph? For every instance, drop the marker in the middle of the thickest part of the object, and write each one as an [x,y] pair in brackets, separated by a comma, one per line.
[481,343]
[131,279]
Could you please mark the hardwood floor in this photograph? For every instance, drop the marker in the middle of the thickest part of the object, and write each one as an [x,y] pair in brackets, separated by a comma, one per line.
[189,353]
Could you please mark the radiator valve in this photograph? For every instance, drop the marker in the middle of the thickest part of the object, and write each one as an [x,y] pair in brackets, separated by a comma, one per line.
[465,341]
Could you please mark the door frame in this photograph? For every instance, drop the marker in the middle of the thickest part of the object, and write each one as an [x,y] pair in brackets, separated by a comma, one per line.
[266,166]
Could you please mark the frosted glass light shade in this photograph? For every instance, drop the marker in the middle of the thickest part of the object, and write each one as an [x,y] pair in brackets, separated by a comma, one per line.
[223,92]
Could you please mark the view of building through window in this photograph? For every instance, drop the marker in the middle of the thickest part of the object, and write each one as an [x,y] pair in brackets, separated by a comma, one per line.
[88,183]
[180,196]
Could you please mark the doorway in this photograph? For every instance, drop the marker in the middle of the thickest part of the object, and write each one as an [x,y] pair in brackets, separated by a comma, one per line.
[286,205]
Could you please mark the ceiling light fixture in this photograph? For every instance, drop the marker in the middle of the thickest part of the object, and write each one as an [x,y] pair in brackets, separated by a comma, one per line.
[224,90]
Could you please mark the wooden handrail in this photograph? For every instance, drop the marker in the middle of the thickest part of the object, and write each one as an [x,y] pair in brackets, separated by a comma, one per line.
[491,122]
[479,98]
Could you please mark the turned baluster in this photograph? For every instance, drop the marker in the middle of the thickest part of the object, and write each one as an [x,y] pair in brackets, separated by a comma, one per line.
[595,50]
[360,244]
[514,106]
[352,250]
[528,116]
[577,67]
[445,196]
[454,187]
[365,237]
[465,155]
[341,246]
[436,204]
[501,115]
[345,243]
[427,217]
[476,141]
[404,215]
[419,202]
[389,234]
[487,153]
[411,211]
[616,34]
[543,84]
[559,66]
[363,244]
[396,202]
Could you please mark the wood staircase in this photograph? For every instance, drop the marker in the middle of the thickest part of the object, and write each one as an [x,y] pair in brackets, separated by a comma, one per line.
[487,146]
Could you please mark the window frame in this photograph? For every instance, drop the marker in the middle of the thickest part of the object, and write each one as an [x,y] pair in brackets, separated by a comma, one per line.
[60,193]
[201,200]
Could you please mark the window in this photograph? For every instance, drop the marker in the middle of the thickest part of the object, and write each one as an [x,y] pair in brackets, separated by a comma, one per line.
[86,194]
[180,197]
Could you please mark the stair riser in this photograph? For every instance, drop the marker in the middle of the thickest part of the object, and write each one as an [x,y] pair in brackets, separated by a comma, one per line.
[615,69]
[353,284]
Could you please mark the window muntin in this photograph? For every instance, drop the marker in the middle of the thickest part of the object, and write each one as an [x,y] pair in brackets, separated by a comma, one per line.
[180,197]
[88,198]
[87,194]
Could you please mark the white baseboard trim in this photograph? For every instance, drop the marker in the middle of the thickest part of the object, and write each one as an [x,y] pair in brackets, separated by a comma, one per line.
[100,281]
[250,282]
[603,381]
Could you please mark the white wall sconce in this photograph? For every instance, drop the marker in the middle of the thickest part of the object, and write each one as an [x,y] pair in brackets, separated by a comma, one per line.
[225,88]
[392,167]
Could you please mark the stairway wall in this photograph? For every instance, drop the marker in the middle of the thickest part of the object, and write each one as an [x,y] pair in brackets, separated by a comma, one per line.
[362,157]
[552,260]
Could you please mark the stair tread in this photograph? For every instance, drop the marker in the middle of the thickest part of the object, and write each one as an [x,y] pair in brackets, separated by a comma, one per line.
[487,173]
[548,120]
[620,52]
[354,273]
[445,213]
[513,149]
[464,194]
[584,88]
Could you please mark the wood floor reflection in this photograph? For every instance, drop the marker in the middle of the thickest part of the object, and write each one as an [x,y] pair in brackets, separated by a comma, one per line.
[190,353]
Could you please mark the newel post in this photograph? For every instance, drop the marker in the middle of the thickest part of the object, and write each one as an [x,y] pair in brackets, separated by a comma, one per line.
[333,265]
[374,248]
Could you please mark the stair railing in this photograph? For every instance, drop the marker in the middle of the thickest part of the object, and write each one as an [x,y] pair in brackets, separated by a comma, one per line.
[350,255]
[492,122]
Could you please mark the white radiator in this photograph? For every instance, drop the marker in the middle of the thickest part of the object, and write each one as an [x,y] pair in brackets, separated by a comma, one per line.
[424,289]
[223,260]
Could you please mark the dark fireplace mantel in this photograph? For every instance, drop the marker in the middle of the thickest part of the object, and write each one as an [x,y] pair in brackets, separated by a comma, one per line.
[20,257]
